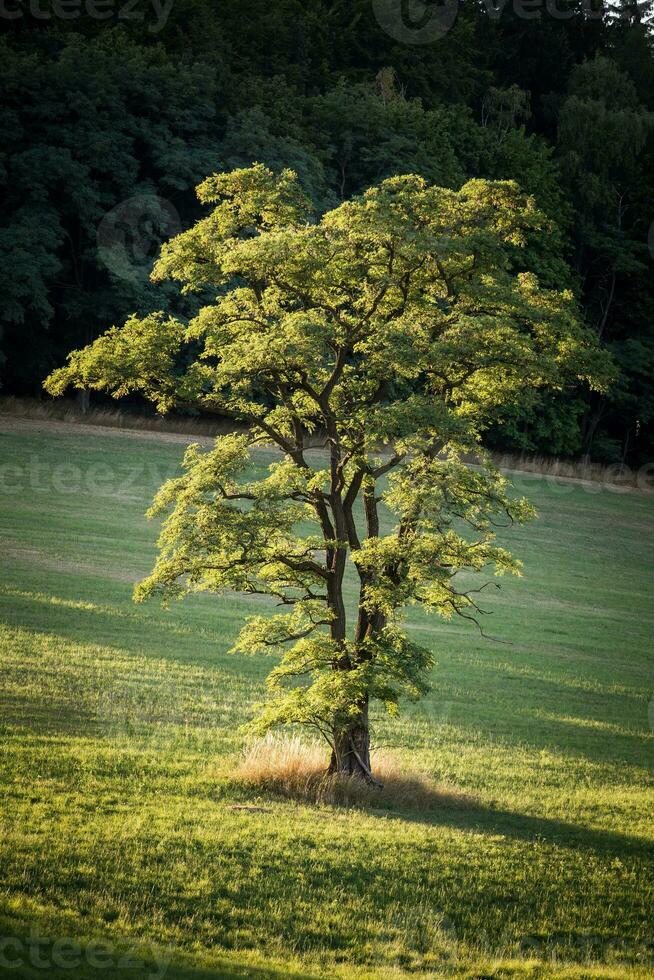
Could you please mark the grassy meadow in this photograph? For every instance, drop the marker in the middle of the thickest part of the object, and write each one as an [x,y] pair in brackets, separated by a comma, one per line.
[128,850]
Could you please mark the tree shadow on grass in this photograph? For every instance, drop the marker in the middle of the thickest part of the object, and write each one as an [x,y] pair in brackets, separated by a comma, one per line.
[480,818]
[290,770]
[126,629]
[30,952]
[24,713]
[141,969]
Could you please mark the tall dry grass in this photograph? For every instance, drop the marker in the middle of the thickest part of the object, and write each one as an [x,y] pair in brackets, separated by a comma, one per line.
[290,767]
[572,469]
[69,411]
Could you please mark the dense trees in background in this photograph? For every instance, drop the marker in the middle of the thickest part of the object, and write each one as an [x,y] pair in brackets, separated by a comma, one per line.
[108,124]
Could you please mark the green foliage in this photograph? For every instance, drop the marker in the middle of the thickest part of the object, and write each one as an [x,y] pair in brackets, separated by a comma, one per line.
[99,111]
[603,134]
[119,739]
[89,125]
[395,328]
[602,130]
[367,133]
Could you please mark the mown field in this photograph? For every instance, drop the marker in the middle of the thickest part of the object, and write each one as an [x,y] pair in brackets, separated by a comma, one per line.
[127,851]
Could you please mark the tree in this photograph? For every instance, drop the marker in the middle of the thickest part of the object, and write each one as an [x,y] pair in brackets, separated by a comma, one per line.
[502,109]
[603,134]
[392,330]
[109,129]
[367,133]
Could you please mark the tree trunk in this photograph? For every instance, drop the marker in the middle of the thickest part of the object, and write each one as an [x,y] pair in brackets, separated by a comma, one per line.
[83,400]
[590,423]
[351,753]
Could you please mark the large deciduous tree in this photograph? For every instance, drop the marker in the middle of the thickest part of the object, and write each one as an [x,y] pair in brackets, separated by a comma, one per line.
[392,330]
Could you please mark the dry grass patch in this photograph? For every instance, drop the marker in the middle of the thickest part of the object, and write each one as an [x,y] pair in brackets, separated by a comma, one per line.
[295,769]
[68,411]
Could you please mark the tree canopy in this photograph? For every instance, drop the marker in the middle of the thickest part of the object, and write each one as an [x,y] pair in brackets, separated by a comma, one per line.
[391,331]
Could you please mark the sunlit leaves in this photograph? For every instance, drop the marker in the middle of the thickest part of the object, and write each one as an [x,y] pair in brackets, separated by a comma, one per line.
[139,357]
[393,330]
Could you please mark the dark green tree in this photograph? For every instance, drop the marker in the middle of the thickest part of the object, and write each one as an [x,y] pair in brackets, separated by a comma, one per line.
[100,126]
[603,135]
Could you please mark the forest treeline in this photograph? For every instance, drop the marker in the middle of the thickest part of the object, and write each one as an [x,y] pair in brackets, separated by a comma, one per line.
[112,114]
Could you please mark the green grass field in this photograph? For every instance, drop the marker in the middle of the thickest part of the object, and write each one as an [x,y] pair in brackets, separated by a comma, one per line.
[119,732]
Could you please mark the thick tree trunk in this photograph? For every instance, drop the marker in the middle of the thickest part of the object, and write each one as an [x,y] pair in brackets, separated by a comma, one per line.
[351,753]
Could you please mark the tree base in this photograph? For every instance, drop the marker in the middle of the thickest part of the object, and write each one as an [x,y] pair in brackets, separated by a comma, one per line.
[351,755]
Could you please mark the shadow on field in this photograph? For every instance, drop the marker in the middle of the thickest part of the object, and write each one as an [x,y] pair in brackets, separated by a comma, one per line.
[289,768]
[227,971]
[482,819]
[27,954]
[141,970]
[55,717]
